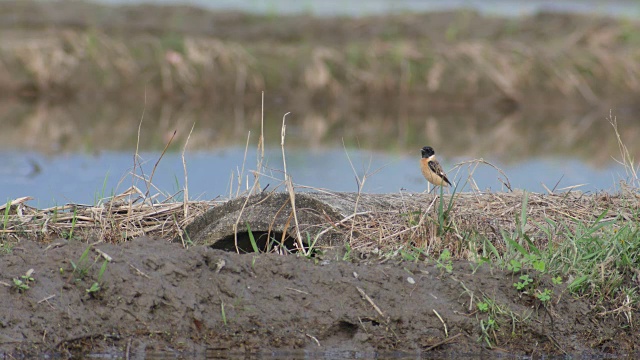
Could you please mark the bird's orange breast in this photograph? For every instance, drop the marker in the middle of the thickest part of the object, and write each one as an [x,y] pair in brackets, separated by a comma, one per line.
[428,174]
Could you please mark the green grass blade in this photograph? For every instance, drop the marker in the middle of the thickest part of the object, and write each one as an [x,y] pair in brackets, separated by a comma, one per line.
[598,224]
[532,246]
[104,188]
[84,255]
[523,213]
[222,312]
[6,214]
[577,283]
[73,222]
[252,239]
[492,249]
[103,268]
[514,243]
[441,211]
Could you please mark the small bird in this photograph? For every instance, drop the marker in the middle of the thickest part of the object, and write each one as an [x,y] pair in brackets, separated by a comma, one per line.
[431,169]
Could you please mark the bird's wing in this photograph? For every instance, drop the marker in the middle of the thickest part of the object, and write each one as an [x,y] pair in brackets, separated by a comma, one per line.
[437,169]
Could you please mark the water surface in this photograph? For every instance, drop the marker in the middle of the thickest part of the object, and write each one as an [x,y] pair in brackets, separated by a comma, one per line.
[85,178]
[620,8]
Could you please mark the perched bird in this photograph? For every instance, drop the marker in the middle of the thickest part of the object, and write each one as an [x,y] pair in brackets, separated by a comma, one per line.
[431,169]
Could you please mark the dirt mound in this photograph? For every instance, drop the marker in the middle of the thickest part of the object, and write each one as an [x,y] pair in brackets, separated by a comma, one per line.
[155,296]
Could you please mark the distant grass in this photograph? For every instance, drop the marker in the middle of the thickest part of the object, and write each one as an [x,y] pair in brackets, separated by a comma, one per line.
[370,56]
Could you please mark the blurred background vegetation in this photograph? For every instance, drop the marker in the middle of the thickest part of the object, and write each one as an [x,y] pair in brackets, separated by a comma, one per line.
[506,82]
[391,72]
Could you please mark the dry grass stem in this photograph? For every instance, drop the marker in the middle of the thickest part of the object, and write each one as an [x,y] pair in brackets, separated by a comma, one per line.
[261,140]
[472,166]
[244,161]
[186,176]
[235,226]
[155,166]
[257,173]
[290,189]
[446,332]
[626,159]
[370,301]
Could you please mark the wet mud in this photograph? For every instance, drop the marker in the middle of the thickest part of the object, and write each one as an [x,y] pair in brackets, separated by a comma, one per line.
[155,297]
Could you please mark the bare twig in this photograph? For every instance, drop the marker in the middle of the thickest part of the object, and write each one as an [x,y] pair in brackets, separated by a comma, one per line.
[444,341]
[47,298]
[370,301]
[103,254]
[139,272]
[296,290]
[475,162]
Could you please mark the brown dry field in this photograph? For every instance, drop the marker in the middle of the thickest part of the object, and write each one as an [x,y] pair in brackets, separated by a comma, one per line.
[75,50]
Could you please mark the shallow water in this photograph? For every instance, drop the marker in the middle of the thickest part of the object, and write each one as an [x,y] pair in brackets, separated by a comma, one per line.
[82,178]
[360,8]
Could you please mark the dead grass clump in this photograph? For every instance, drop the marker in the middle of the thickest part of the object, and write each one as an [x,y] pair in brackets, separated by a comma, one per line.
[425,222]
[117,219]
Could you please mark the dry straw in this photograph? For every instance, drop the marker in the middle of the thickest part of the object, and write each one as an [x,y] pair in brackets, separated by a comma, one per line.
[122,217]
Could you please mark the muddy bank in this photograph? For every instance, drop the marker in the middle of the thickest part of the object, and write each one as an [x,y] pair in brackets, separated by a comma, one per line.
[387,275]
[73,50]
[156,297]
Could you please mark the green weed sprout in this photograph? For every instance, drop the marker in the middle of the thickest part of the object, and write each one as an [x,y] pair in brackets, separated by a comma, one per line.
[96,286]
[524,282]
[22,284]
[444,261]
[80,268]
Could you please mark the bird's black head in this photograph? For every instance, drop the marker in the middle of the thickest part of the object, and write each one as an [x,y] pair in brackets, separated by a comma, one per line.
[427,151]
